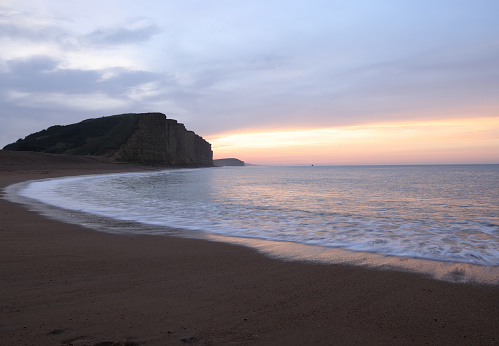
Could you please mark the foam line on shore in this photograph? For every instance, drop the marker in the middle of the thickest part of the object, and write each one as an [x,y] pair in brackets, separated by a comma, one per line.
[289,251]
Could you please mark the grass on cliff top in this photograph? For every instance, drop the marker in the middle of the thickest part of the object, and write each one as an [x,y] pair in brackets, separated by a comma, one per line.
[98,136]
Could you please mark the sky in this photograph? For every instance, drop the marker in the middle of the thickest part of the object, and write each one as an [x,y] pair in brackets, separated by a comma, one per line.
[268,82]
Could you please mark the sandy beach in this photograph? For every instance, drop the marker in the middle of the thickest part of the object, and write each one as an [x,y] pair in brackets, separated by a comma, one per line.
[63,284]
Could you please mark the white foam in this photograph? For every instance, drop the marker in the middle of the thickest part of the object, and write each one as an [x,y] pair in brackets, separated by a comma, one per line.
[183,199]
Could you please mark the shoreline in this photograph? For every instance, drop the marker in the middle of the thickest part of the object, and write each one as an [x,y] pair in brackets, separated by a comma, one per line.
[456,272]
[447,270]
[65,284]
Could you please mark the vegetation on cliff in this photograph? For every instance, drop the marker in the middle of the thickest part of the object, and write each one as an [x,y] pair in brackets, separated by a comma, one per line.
[146,138]
[89,137]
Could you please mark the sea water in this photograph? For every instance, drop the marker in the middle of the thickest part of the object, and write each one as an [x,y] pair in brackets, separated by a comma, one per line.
[447,213]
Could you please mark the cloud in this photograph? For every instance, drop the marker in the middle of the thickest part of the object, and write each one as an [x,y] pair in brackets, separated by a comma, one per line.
[30,31]
[82,102]
[28,34]
[42,74]
[26,25]
[144,91]
[134,32]
[228,66]
[35,93]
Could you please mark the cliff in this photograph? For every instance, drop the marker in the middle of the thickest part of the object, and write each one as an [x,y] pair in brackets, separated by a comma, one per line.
[146,138]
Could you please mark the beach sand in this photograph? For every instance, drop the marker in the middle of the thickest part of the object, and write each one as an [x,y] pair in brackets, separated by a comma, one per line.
[64,284]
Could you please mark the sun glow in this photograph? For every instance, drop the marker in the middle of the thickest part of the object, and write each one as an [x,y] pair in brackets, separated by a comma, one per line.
[449,141]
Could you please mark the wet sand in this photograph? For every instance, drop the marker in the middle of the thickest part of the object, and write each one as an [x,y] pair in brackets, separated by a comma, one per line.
[64,284]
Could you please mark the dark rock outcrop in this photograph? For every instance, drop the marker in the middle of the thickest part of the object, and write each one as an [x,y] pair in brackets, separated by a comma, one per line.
[146,138]
[228,162]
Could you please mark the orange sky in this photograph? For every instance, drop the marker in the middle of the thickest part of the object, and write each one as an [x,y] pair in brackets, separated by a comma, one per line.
[427,142]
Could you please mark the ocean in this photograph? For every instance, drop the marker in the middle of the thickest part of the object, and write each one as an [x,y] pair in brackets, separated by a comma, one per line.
[441,220]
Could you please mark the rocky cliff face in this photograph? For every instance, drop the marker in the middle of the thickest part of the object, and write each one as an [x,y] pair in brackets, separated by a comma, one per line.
[147,138]
[159,140]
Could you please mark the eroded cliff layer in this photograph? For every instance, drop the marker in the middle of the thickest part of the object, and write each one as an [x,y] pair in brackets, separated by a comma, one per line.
[145,138]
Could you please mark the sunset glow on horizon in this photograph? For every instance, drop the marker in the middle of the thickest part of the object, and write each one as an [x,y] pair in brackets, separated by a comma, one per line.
[426,142]
[267,82]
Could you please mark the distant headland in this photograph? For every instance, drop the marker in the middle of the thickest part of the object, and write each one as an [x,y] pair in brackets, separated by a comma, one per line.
[228,162]
[142,138]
